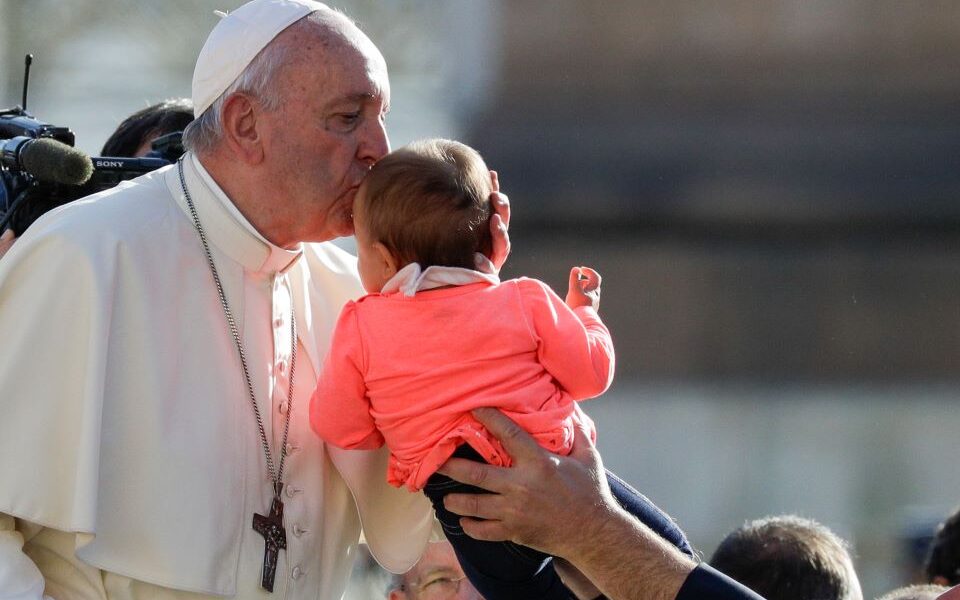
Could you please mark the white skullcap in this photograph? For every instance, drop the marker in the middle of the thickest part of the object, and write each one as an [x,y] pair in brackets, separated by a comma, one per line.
[237,39]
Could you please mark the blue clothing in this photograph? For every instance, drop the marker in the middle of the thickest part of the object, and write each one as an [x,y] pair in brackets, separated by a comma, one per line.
[508,571]
[706,583]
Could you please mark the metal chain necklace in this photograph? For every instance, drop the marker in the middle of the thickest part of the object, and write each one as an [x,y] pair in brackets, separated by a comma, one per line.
[269,526]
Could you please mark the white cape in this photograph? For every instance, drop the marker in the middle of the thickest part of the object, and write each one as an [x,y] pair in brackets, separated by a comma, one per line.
[119,417]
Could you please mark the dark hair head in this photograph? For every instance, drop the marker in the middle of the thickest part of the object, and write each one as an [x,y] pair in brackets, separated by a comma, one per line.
[944,557]
[151,122]
[429,203]
[787,558]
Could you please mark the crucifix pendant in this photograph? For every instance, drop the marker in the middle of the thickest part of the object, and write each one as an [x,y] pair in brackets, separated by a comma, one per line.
[274,540]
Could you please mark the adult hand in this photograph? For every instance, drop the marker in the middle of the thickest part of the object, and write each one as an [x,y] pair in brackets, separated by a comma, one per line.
[562,505]
[539,501]
[499,223]
[6,241]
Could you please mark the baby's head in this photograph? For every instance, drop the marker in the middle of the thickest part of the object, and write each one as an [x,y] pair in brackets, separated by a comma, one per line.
[427,203]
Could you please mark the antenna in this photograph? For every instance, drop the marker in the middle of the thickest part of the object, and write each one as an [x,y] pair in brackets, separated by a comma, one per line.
[27,61]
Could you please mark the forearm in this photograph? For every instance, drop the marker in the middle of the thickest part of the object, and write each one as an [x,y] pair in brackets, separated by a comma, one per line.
[563,506]
[626,560]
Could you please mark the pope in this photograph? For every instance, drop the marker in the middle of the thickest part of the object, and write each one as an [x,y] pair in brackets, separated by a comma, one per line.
[162,340]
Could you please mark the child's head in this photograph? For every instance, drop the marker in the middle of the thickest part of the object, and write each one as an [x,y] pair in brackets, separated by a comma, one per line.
[428,203]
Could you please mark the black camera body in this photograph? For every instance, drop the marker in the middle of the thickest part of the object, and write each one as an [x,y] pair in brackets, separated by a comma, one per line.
[25,196]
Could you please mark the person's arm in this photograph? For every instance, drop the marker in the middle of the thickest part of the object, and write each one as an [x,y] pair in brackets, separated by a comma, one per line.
[339,407]
[573,344]
[563,506]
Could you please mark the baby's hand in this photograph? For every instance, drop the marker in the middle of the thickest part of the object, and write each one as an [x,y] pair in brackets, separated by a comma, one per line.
[584,288]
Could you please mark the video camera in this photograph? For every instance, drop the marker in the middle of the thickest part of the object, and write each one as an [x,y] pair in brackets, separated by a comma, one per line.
[40,169]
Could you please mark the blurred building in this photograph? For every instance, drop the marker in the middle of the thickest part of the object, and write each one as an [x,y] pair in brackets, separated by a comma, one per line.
[770,188]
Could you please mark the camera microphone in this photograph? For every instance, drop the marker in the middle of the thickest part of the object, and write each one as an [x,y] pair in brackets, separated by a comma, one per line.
[46,159]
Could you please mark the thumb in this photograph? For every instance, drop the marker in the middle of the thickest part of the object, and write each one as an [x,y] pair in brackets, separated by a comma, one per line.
[574,283]
[583,448]
[7,235]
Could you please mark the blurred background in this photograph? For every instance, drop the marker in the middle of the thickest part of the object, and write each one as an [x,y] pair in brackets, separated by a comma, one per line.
[769,189]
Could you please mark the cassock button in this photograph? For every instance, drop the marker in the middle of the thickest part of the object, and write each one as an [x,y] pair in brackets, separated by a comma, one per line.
[296,573]
[278,323]
[281,367]
[291,491]
[297,530]
[283,407]
[291,448]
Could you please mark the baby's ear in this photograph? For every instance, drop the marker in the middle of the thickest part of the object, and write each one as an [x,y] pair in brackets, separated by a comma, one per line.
[387,261]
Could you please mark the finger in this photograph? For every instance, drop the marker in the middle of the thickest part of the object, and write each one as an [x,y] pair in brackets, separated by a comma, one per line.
[574,283]
[7,235]
[519,444]
[583,449]
[501,205]
[487,530]
[500,241]
[494,181]
[480,506]
[482,475]
[592,279]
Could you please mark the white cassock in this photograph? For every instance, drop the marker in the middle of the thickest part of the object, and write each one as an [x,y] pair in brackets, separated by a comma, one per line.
[129,452]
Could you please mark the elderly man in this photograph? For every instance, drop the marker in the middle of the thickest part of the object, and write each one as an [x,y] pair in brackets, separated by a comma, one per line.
[162,339]
[436,576]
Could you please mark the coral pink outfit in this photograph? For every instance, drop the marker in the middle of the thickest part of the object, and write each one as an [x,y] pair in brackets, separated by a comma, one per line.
[407,370]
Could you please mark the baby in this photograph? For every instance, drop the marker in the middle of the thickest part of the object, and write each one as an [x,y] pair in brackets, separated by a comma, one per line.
[439,334]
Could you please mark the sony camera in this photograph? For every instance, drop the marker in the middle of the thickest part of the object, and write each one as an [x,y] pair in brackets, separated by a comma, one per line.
[40,169]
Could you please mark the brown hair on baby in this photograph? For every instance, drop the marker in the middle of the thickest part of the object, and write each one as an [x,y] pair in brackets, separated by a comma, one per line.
[429,203]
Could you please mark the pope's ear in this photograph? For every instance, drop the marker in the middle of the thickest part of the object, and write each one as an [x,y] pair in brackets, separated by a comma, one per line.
[387,261]
[238,119]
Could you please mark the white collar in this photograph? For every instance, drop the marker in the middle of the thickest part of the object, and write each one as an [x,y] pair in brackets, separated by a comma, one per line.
[240,238]
[412,279]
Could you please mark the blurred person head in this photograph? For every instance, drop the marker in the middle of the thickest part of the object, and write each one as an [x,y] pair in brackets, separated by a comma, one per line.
[789,558]
[436,576]
[915,592]
[292,136]
[133,138]
[426,203]
[135,134]
[943,562]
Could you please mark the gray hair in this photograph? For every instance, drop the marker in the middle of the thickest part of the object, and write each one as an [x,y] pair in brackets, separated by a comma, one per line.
[257,79]
[916,592]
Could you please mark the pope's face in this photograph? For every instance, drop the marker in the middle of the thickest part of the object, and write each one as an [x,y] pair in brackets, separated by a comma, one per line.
[327,133]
